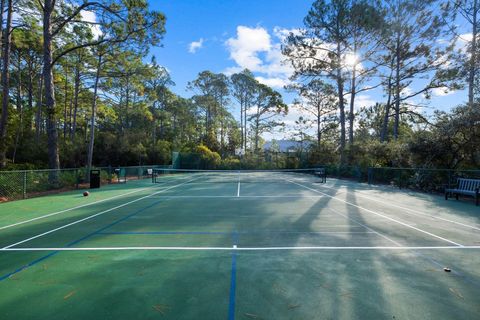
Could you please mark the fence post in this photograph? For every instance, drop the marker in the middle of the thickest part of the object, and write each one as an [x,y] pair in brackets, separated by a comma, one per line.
[24,184]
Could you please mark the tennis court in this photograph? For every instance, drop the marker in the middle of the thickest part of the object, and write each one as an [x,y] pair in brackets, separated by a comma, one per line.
[249,245]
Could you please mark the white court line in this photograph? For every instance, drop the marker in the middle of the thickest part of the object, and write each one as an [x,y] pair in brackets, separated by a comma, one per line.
[236,248]
[74,208]
[238,188]
[70,209]
[418,213]
[379,214]
[246,196]
[95,215]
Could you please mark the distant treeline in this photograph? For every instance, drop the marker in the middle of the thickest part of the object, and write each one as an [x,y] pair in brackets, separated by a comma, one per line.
[82,92]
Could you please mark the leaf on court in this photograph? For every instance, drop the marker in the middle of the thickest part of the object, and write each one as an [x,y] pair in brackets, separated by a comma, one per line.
[326,286]
[161,308]
[346,295]
[252,316]
[47,283]
[14,277]
[279,289]
[456,293]
[69,295]
[293,306]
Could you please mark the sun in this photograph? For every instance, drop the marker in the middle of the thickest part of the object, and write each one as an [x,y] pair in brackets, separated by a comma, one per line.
[350,60]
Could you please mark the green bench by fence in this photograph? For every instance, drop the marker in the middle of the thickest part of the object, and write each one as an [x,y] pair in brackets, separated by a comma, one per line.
[469,187]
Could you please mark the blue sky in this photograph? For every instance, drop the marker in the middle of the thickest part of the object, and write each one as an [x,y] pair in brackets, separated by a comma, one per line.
[229,35]
[215,22]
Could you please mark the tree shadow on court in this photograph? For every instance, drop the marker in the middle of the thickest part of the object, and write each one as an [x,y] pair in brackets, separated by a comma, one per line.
[196,285]
[307,284]
[121,285]
[411,283]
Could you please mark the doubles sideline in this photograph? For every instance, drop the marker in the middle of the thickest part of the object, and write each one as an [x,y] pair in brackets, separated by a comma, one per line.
[379,214]
[74,208]
[412,211]
[95,215]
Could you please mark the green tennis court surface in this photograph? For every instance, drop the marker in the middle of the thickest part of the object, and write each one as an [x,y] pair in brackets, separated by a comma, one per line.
[284,247]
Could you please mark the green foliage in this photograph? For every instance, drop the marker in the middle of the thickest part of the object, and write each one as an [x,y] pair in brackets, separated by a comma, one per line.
[161,152]
[209,159]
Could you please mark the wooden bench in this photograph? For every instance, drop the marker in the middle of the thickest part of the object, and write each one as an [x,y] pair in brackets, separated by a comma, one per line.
[322,173]
[469,187]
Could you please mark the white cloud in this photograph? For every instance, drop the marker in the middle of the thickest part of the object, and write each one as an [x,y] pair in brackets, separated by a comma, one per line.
[195,45]
[363,100]
[466,37]
[282,33]
[463,42]
[441,92]
[277,83]
[260,52]
[90,16]
[244,49]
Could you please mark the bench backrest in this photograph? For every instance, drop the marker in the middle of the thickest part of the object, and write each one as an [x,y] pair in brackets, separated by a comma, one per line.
[468,184]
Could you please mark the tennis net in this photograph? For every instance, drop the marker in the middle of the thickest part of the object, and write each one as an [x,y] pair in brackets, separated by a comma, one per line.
[254,176]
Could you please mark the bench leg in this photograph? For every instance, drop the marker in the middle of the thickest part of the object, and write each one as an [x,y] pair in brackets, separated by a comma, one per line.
[446,195]
[477,197]
[456,196]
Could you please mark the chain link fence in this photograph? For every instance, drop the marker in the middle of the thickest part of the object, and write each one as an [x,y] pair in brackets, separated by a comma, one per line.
[22,184]
[422,179]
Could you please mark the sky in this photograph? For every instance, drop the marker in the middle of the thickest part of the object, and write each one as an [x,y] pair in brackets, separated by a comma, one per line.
[230,35]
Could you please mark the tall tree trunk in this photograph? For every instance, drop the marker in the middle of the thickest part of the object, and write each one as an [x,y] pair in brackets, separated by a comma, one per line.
[38,113]
[351,115]
[7,37]
[19,108]
[396,123]
[2,10]
[245,125]
[386,116]
[241,121]
[75,101]
[92,120]
[52,137]
[341,104]
[473,55]
[257,128]
[70,116]
[319,131]
[127,101]
[30,91]
[65,103]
